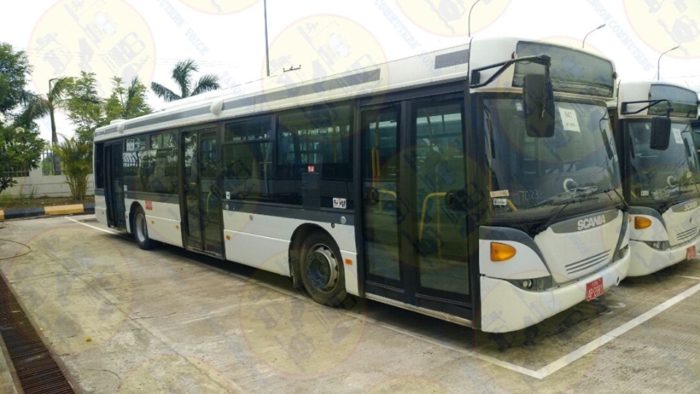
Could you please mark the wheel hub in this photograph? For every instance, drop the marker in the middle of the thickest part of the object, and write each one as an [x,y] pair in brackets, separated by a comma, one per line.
[322,268]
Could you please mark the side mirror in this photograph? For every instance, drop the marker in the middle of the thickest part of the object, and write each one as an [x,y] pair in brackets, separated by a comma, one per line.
[660,133]
[538,103]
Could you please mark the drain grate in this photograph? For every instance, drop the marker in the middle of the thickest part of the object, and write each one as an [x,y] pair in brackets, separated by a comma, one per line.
[36,369]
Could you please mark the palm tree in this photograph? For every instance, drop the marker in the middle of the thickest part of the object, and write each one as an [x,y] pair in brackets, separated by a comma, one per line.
[128,101]
[38,106]
[182,74]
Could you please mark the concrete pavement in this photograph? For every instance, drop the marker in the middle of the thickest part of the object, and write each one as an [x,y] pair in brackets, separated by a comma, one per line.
[128,320]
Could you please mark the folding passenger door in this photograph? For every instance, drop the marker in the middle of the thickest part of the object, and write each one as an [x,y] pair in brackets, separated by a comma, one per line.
[114,183]
[201,191]
[414,229]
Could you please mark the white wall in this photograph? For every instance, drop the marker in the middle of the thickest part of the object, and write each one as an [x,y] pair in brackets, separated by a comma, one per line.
[39,185]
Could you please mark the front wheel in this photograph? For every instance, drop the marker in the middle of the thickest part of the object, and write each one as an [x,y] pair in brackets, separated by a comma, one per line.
[140,230]
[322,270]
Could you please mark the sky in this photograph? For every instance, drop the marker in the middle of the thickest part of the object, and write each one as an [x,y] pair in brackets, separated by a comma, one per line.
[227,37]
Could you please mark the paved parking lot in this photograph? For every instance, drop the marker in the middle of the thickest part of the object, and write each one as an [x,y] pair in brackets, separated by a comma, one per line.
[123,319]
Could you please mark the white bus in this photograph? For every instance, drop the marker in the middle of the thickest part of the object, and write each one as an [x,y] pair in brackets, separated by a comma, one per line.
[477,184]
[660,173]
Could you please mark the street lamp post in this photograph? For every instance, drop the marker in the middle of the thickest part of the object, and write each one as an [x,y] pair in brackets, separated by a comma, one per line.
[267,45]
[583,44]
[658,62]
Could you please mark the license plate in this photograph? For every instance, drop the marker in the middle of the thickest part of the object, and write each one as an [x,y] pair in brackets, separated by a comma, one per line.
[690,253]
[594,289]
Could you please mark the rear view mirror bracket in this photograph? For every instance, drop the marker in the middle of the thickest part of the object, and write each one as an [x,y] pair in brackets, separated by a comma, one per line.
[626,111]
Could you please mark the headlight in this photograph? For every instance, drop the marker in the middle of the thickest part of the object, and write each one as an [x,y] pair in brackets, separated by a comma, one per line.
[658,245]
[535,284]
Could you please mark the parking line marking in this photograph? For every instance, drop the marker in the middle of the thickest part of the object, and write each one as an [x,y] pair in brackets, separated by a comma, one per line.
[91,226]
[541,373]
[615,333]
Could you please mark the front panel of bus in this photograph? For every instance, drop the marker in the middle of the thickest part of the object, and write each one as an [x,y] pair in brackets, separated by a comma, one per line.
[661,185]
[554,233]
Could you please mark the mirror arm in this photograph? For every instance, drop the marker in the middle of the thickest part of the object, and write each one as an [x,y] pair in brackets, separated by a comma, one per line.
[544,60]
[650,103]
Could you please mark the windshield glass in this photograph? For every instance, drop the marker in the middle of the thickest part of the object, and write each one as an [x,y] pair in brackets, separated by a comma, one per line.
[661,175]
[532,175]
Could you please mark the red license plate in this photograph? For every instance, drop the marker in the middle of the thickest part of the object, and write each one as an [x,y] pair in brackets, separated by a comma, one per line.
[690,253]
[594,289]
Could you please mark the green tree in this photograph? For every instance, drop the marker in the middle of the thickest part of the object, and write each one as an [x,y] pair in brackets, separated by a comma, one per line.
[126,102]
[76,164]
[83,106]
[14,70]
[20,145]
[182,75]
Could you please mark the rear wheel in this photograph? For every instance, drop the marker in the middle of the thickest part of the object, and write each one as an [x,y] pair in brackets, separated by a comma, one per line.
[322,270]
[140,230]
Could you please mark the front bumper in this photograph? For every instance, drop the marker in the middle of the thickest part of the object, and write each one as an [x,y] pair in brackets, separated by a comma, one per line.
[505,307]
[647,260]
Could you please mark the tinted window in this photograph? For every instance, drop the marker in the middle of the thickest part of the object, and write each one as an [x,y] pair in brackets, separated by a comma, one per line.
[318,138]
[571,70]
[248,158]
[314,140]
[162,164]
[150,163]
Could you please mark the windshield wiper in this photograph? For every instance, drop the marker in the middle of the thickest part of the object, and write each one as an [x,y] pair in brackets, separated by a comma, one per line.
[579,194]
[622,199]
[569,196]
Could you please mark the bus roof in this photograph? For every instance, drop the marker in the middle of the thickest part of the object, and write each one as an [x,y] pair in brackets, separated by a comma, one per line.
[281,92]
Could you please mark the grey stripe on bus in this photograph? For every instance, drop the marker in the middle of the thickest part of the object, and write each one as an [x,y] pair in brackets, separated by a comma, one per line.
[291,212]
[452,59]
[316,87]
[157,197]
[621,237]
[571,225]
[509,234]
[311,88]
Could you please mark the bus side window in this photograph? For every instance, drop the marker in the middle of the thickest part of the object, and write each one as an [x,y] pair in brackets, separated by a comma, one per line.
[248,158]
[314,140]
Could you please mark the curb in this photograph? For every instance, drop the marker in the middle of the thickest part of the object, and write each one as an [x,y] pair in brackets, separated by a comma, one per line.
[14,213]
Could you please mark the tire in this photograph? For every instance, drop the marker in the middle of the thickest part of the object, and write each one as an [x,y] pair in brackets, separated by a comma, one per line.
[140,230]
[321,270]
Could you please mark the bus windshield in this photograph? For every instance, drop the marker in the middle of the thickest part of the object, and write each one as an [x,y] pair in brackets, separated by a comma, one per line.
[662,175]
[529,176]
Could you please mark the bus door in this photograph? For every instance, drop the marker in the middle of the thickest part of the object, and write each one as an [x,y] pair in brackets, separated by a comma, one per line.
[414,232]
[114,184]
[201,191]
